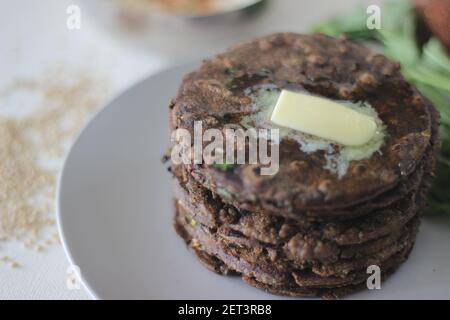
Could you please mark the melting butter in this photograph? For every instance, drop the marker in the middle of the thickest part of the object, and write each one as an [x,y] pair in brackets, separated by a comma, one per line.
[323,118]
[338,156]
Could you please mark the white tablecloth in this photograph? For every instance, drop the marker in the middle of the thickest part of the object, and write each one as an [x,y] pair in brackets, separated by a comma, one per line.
[34,39]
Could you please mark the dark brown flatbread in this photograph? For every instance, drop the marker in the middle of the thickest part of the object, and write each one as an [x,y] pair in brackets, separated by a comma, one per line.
[219,259]
[240,252]
[211,211]
[325,293]
[334,68]
[305,231]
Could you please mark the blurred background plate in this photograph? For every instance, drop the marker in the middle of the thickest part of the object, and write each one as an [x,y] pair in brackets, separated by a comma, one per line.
[176,35]
[180,38]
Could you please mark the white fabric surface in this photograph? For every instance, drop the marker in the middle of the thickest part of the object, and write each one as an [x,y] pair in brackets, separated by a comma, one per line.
[34,39]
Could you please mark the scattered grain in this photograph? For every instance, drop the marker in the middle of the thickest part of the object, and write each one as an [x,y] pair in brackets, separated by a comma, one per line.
[33,145]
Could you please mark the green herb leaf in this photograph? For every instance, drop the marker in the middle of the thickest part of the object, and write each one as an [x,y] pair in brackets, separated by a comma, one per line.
[353,26]
[435,56]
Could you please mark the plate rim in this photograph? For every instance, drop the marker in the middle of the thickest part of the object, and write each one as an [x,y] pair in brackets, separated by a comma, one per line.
[63,170]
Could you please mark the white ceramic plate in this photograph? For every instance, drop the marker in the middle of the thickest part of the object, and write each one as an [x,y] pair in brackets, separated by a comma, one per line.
[115,214]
